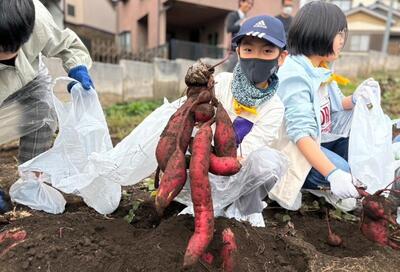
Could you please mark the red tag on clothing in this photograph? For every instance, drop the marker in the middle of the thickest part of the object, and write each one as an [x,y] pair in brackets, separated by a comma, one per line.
[326,121]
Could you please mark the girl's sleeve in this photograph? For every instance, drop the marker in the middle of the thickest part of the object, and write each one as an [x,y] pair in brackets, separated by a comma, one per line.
[336,97]
[300,116]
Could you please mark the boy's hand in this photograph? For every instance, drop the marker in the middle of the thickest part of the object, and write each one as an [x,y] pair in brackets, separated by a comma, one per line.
[81,74]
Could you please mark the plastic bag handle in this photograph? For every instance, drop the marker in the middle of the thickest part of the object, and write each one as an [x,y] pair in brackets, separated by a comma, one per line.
[63,78]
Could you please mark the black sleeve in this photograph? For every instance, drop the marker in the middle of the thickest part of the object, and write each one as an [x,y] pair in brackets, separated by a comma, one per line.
[231,23]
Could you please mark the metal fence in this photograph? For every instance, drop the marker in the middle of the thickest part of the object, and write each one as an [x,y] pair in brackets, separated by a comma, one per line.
[107,51]
[193,51]
[148,54]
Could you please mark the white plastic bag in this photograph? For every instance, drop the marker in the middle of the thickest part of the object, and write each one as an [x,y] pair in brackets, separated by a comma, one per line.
[29,109]
[83,130]
[263,168]
[129,162]
[133,159]
[83,162]
[370,144]
[33,192]
[255,219]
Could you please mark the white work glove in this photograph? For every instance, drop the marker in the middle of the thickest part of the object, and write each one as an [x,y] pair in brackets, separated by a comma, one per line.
[342,184]
[367,88]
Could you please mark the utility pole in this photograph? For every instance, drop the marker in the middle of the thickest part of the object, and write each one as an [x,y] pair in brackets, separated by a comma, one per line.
[158,27]
[387,30]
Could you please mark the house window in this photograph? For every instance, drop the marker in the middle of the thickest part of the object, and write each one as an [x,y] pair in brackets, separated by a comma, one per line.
[359,43]
[213,38]
[343,4]
[71,10]
[125,41]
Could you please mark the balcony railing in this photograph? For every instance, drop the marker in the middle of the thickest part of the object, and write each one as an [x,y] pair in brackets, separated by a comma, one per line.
[106,51]
[192,50]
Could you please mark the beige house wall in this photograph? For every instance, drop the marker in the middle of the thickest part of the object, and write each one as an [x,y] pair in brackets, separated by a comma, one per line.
[98,14]
[370,2]
[364,22]
[78,18]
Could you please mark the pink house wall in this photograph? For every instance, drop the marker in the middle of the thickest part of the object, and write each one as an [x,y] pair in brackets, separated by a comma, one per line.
[132,11]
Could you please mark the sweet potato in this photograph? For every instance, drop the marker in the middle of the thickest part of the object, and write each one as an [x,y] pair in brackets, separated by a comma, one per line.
[224,137]
[375,219]
[198,74]
[204,97]
[172,181]
[186,134]
[375,230]
[207,257]
[377,207]
[224,166]
[165,147]
[201,196]
[204,112]
[193,92]
[10,239]
[229,249]
[168,139]
[333,238]
[175,122]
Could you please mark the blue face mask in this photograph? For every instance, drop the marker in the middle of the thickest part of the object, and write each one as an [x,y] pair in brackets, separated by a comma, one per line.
[258,70]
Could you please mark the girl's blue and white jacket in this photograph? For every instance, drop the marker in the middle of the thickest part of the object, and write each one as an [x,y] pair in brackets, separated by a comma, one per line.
[298,90]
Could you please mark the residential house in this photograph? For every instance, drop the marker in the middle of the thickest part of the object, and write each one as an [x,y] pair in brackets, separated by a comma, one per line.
[370,2]
[95,22]
[346,5]
[56,8]
[367,26]
[191,28]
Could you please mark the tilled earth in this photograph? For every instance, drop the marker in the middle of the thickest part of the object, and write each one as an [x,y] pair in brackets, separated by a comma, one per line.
[82,240]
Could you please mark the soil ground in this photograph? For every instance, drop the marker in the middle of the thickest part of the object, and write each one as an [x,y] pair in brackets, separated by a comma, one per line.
[82,240]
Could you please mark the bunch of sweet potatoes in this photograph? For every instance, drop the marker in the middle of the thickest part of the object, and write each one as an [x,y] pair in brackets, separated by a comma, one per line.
[377,216]
[201,110]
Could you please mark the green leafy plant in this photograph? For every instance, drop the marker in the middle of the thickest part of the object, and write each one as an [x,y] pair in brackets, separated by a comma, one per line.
[131,214]
[123,118]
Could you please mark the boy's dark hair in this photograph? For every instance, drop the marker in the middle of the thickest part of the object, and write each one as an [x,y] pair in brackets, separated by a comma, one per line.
[314,28]
[17,19]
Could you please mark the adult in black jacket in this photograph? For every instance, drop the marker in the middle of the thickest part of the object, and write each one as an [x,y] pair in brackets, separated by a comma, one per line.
[233,23]
[286,14]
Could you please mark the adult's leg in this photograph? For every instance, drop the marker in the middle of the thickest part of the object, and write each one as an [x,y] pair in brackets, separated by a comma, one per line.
[35,143]
[41,111]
